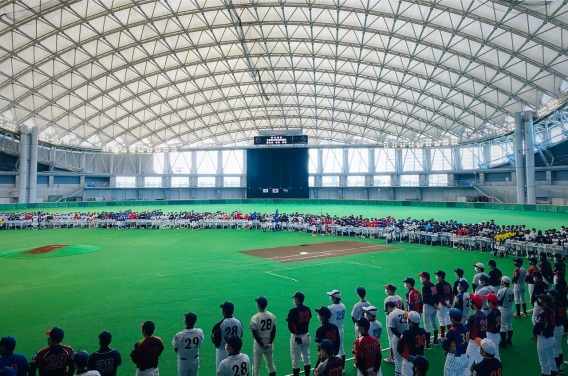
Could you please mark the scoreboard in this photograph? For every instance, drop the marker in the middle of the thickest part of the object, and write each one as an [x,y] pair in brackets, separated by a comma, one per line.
[281,140]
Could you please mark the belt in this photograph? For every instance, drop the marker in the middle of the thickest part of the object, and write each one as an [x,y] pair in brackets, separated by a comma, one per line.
[146,369]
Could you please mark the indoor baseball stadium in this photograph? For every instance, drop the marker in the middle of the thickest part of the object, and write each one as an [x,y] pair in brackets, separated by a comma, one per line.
[302,187]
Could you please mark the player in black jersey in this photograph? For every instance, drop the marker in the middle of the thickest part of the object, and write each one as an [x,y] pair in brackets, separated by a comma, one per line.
[329,363]
[327,330]
[105,360]
[298,323]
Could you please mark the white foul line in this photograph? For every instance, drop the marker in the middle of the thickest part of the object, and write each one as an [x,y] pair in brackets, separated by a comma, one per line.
[271,272]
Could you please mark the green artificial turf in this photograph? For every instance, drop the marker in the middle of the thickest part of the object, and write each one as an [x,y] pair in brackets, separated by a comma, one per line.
[159,275]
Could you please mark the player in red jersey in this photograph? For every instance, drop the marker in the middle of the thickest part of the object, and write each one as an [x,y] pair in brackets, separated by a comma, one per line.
[413,296]
[54,360]
[367,351]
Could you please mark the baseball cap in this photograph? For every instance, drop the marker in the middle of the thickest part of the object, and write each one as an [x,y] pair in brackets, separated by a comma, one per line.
[390,304]
[506,279]
[456,313]
[327,346]
[518,259]
[420,362]
[413,316]
[262,301]
[479,265]
[491,297]
[557,255]
[441,273]
[537,274]
[545,298]
[56,333]
[553,292]
[425,275]
[7,371]
[486,344]
[9,343]
[484,277]
[459,271]
[324,311]
[371,309]
[390,286]
[148,327]
[228,307]
[299,295]
[492,262]
[464,283]
[335,293]
[361,291]
[105,337]
[363,322]
[80,358]
[409,280]
[234,341]
[478,300]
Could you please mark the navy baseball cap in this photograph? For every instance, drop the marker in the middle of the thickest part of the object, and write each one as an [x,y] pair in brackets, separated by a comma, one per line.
[484,277]
[518,260]
[545,298]
[390,304]
[56,334]
[105,337]
[420,362]
[327,346]
[80,358]
[390,286]
[235,342]
[425,275]
[464,283]
[459,271]
[8,343]
[299,295]
[324,311]
[262,301]
[409,280]
[364,322]
[228,307]
[553,292]
[456,313]
[441,273]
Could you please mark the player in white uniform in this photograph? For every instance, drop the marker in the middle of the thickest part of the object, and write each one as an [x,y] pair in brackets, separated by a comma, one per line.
[519,282]
[484,289]
[236,363]
[506,296]
[397,300]
[479,268]
[357,311]
[376,328]
[186,344]
[263,326]
[397,323]
[463,300]
[228,326]
[337,316]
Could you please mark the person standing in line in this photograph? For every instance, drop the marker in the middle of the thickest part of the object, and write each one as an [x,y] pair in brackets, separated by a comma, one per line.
[337,310]
[495,276]
[397,323]
[519,278]
[463,300]
[540,288]
[506,297]
[298,324]
[530,279]
[543,333]
[147,351]
[559,316]
[390,290]
[263,327]
[228,326]
[411,342]
[489,364]
[546,270]
[480,270]
[18,362]
[445,302]
[477,326]
[186,345]
[327,330]
[455,346]
[236,363]
[430,299]
[328,363]
[105,360]
[376,328]
[493,321]
[413,296]
[55,350]
[357,311]
[459,275]
[367,351]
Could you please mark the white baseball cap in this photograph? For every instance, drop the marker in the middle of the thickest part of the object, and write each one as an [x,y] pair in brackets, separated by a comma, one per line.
[487,345]
[413,316]
[506,279]
[479,265]
[335,293]
[371,309]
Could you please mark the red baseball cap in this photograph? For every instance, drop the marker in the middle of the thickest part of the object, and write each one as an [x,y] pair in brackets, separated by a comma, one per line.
[491,297]
[478,300]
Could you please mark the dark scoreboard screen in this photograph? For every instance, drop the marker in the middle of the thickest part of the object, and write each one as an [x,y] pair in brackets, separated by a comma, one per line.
[281,140]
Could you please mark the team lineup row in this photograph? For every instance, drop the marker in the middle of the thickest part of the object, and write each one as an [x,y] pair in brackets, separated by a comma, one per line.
[471,327]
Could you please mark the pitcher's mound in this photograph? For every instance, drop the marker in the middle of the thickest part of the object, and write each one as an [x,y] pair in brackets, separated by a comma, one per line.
[306,252]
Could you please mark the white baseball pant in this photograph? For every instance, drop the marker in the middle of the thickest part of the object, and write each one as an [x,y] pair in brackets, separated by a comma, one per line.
[397,356]
[536,310]
[455,365]
[341,348]
[545,348]
[148,372]
[506,319]
[188,367]
[531,289]
[220,354]
[558,333]
[519,291]
[297,350]
[473,355]
[359,373]
[258,353]
[496,338]
[429,317]
[444,315]
[407,368]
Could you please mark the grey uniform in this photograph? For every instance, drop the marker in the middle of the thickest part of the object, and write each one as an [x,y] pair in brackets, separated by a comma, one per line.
[357,312]
[506,297]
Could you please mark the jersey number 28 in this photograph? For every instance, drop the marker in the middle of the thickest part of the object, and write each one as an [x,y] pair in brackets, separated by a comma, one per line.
[242,370]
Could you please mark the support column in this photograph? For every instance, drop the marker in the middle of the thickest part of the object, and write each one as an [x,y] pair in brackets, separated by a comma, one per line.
[33,165]
[529,156]
[219,180]
[23,195]
[519,161]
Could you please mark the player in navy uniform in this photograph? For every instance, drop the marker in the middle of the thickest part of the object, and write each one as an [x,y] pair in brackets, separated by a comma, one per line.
[455,345]
[477,326]
[54,360]
[298,324]
[327,330]
[430,299]
[489,365]
[18,362]
[543,333]
[105,360]
[446,300]
[411,342]
[493,321]
[329,364]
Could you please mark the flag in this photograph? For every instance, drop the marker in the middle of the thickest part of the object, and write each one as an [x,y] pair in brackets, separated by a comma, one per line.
[276,215]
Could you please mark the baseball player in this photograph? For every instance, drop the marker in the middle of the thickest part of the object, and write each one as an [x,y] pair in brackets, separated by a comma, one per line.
[298,324]
[390,290]
[106,360]
[559,316]
[420,365]
[397,323]
[463,301]
[483,290]
[489,365]
[80,360]
[337,316]
[55,350]
[559,265]
[413,296]
[546,270]
[328,363]
[367,351]
[540,288]
[446,300]
[459,275]
[263,327]
[477,326]
[186,344]
[495,276]
[411,342]
[543,333]
[18,362]
[228,326]
[327,330]
[357,311]
[455,346]
[493,321]
[529,279]
[375,328]
[480,270]
[236,363]
[430,299]
[147,351]
[506,297]
[519,278]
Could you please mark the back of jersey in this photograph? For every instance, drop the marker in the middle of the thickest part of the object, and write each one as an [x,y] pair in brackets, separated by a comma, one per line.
[235,365]
[231,326]
[506,296]
[263,323]
[188,343]
[397,320]
[337,314]
[106,362]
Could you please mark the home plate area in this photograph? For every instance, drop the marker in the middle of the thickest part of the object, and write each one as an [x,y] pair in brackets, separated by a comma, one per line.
[306,252]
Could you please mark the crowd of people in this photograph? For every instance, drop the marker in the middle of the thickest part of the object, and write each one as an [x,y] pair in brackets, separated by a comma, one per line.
[473,323]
